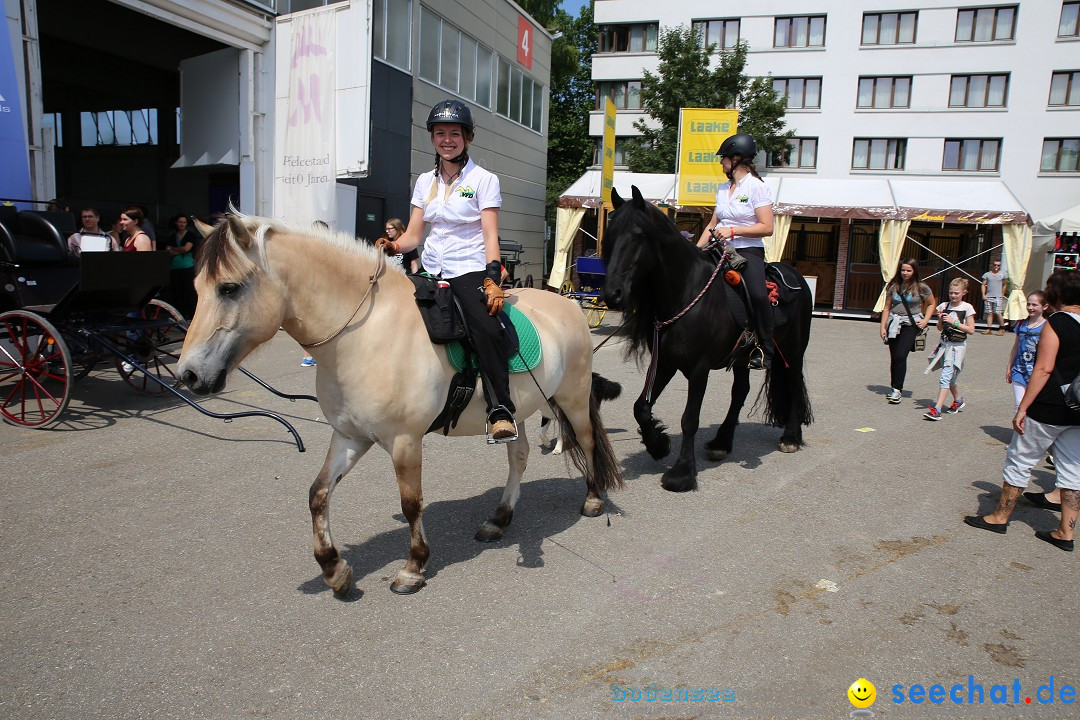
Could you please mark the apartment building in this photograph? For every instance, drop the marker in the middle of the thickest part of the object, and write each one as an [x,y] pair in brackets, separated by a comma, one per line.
[880,91]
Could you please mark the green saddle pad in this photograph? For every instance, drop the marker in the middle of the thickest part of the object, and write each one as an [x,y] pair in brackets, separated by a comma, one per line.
[528,342]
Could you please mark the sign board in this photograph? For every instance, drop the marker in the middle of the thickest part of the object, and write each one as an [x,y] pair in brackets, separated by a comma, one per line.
[607,172]
[697,169]
[524,42]
[14,157]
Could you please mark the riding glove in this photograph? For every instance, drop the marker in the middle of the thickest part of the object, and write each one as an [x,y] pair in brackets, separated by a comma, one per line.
[388,246]
[494,295]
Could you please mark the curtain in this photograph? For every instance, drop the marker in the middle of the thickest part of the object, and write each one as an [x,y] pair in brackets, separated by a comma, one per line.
[567,222]
[890,247]
[1018,243]
[774,245]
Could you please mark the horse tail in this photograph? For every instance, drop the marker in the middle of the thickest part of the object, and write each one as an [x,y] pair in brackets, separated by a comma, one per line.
[607,473]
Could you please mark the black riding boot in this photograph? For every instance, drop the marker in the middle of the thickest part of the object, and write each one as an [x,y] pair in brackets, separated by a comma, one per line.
[754,279]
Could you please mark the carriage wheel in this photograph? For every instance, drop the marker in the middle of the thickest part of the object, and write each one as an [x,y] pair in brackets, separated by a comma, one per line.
[35,370]
[157,349]
[595,313]
[528,281]
[518,284]
[566,288]
[83,356]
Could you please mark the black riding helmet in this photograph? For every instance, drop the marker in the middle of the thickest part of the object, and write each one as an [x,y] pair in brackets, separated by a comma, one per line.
[451,111]
[741,144]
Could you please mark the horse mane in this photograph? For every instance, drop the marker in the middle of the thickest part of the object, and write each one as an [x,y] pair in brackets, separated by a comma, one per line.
[645,224]
[221,256]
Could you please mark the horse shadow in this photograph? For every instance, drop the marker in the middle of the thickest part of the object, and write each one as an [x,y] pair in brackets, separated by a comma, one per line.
[547,507]
[753,442]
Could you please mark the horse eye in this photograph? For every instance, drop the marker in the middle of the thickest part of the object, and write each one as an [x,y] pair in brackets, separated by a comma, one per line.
[228,289]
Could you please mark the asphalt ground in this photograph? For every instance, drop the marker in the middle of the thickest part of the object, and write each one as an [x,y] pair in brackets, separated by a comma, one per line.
[157,563]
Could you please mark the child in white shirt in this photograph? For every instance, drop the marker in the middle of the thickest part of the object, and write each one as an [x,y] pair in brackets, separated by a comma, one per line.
[956,321]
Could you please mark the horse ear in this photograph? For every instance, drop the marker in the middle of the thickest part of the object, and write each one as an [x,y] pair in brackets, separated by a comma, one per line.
[238,230]
[203,228]
[639,199]
[616,199]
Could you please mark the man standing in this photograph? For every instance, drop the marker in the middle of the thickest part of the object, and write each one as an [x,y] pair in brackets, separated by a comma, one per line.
[91,220]
[993,283]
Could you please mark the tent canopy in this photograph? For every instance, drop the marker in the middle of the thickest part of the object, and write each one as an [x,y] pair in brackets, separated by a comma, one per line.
[952,201]
[1067,221]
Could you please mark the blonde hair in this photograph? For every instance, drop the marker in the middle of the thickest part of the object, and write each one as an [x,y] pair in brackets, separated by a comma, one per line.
[960,283]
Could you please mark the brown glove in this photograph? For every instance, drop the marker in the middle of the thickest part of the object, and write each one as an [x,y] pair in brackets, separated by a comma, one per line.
[388,246]
[494,297]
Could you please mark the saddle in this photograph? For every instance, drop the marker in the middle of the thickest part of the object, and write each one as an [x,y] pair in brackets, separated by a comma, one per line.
[446,325]
[783,285]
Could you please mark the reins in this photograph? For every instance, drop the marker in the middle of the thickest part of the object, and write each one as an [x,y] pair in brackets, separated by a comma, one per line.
[380,270]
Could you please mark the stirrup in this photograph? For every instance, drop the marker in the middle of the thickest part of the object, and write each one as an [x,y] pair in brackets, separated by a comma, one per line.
[758,355]
[503,416]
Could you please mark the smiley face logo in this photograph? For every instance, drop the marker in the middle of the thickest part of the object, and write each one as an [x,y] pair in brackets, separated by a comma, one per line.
[862,693]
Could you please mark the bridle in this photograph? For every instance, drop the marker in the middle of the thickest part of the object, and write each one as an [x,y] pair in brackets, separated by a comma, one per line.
[380,270]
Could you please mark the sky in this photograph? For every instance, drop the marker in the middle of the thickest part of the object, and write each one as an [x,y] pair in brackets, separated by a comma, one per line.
[573,6]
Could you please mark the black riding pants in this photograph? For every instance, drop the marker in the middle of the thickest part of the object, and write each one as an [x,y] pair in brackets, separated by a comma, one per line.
[487,337]
[754,277]
[899,349]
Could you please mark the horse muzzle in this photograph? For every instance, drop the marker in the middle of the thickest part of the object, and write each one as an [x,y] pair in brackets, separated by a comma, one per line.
[203,384]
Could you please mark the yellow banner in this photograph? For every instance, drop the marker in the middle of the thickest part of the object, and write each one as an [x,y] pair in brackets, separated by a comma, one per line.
[607,173]
[698,171]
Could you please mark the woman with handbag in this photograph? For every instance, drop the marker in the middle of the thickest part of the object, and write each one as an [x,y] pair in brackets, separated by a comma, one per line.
[1044,418]
[911,306]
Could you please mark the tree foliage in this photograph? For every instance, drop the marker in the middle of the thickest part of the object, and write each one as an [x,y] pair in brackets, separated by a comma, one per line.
[570,149]
[684,79]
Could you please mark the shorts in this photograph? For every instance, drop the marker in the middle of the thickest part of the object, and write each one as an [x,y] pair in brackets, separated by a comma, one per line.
[992,305]
[1027,450]
[949,375]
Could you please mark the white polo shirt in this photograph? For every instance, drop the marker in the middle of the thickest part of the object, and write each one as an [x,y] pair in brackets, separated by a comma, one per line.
[455,241]
[738,209]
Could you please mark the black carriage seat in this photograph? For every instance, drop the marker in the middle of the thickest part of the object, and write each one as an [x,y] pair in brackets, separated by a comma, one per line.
[29,238]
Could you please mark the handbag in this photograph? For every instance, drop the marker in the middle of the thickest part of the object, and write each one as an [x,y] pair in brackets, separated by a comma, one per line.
[920,334]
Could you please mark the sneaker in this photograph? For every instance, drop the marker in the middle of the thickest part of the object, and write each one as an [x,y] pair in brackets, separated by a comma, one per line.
[307,362]
[933,414]
[957,406]
[894,397]
[127,367]
[986,331]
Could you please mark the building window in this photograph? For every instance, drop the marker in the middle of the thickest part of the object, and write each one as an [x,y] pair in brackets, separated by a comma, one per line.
[54,121]
[620,151]
[1060,155]
[625,94]
[1069,26]
[972,155]
[391,31]
[978,91]
[802,31]
[1065,88]
[519,98]
[724,34]
[640,37]
[119,127]
[801,153]
[878,154]
[884,92]
[986,24]
[453,60]
[801,93]
[888,28]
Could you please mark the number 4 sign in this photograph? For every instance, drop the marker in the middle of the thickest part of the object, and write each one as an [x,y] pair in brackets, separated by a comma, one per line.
[524,51]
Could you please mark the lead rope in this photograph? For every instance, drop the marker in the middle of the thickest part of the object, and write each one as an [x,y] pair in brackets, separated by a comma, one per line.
[380,269]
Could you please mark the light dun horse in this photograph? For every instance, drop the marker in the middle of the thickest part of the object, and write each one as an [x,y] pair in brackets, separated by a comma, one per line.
[379,379]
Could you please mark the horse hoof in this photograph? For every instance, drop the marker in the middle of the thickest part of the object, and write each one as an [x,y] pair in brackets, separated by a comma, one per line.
[715,454]
[659,449]
[488,532]
[787,447]
[341,582]
[592,508]
[678,484]
[407,583]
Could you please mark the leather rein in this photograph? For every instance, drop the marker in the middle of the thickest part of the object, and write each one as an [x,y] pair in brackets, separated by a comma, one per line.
[380,270]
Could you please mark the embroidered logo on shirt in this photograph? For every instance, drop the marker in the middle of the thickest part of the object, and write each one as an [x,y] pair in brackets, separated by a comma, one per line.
[743,198]
[466,192]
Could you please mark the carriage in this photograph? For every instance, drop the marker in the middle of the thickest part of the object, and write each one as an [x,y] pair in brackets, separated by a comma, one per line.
[590,292]
[61,317]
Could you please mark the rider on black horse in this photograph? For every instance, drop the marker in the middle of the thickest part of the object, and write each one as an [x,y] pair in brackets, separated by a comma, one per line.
[743,217]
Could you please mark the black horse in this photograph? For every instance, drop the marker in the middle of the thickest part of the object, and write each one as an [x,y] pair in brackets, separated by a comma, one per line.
[652,275]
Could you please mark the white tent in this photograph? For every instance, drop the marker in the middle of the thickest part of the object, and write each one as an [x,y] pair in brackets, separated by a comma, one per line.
[1045,234]
[1067,221]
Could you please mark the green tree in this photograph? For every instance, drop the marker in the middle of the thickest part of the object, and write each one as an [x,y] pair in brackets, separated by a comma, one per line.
[570,148]
[683,80]
[543,11]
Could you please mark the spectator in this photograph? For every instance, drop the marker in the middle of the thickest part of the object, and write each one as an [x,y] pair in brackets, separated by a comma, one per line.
[181,246]
[956,320]
[131,221]
[1043,419]
[993,284]
[910,303]
[91,225]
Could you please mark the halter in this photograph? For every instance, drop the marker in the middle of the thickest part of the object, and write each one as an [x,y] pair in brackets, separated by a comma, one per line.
[380,269]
